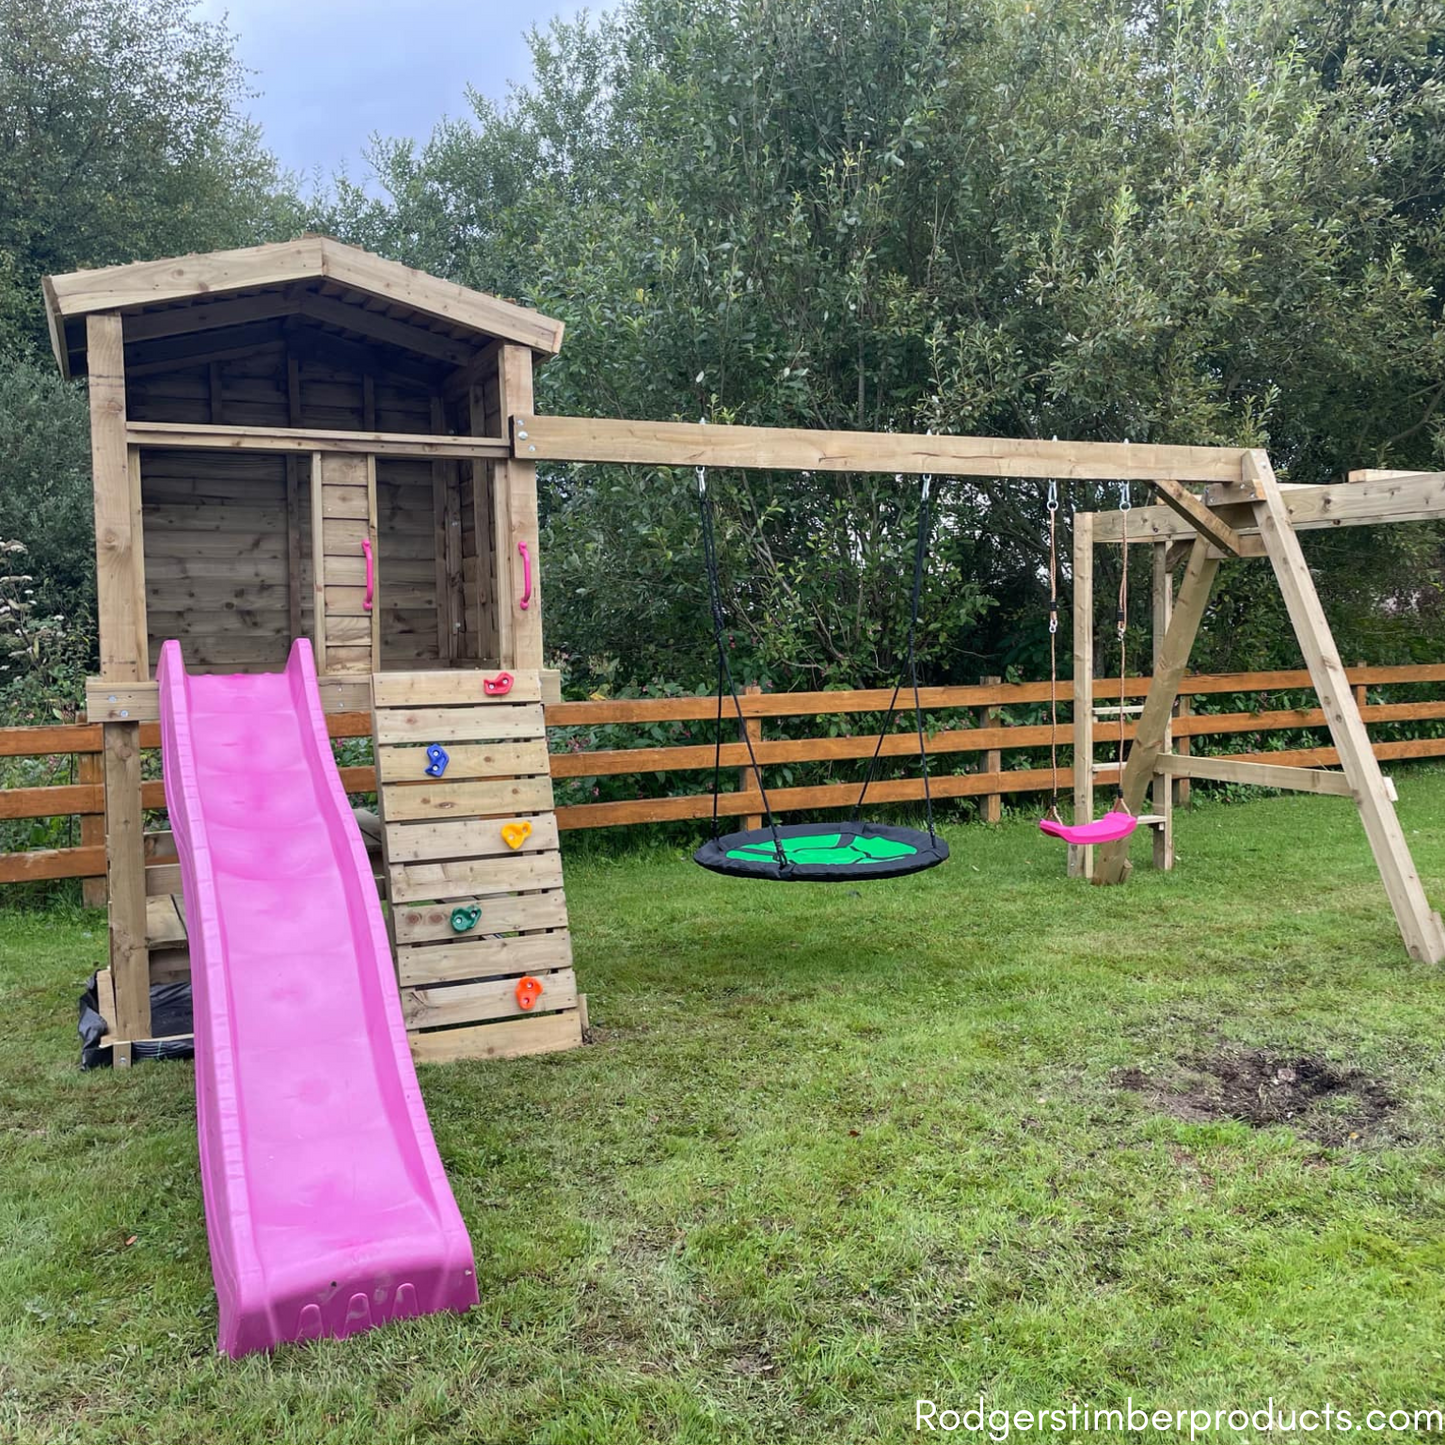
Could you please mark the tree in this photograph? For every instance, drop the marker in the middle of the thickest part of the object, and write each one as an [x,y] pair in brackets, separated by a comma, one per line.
[121,138]
[1214,222]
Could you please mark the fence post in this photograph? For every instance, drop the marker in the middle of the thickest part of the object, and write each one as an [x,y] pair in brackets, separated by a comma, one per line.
[750,729]
[1362,693]
[990,804]
[1183,745]
[92,827]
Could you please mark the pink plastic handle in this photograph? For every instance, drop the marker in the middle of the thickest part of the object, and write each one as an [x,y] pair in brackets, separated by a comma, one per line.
[526,598]
[370,575]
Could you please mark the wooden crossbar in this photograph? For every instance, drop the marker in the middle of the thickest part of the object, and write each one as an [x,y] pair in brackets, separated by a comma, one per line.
[1204,521]
[307,439]
[1393,497]
[692,444]
[1258,775]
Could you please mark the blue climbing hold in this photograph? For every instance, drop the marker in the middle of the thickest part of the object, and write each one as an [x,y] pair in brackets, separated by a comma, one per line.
[437,761]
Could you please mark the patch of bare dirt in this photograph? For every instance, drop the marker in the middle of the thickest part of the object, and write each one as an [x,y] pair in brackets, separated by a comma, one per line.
[1317,1099]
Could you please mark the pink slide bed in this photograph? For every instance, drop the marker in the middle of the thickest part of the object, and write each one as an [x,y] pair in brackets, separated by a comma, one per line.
[327,1207]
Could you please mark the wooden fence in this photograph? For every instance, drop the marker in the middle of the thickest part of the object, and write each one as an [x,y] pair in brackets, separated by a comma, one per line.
[984,738]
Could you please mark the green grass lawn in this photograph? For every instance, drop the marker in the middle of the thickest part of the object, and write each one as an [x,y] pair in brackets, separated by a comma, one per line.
[833,1149]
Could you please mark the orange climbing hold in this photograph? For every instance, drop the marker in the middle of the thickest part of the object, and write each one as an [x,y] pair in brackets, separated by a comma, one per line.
[515,834]
[529,990]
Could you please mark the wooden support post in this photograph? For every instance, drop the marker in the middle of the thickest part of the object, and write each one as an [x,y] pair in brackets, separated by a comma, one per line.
[142,624]
[1163,787]
[456,596]
[91,772]
[1419,926]
[442,485]
[318,568]
[293,505]
[750,729]
[486,484]
[120,595]
[1112,863]
[1081,860]
[1184,746]
[990,805]
[373,531]
[125,878]
[1362,693]
[516,523]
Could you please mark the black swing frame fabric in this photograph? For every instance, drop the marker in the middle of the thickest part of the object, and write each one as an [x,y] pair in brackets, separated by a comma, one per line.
[714,855]
[926,850]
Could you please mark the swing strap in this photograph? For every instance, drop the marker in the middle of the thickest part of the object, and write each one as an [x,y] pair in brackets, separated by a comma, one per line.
[1053,511]
[725,675]
[1125,507]
[920,550]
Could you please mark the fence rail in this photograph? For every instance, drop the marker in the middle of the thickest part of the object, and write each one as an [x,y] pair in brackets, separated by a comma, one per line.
[986,735]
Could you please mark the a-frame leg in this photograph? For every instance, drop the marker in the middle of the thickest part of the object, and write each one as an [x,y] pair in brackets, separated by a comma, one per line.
[1111,864]
[1419,926]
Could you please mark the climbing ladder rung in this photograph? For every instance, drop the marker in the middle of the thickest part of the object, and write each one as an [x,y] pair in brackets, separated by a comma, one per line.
[1129,709]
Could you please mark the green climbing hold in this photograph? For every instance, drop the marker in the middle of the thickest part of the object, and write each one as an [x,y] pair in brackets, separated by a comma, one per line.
[466,917]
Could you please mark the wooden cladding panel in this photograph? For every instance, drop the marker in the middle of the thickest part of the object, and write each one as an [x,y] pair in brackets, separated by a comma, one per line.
[492,998]
[344,505]
[406,533]
[523,913]
[228,543]
[444,849]
[216,558]
[462,724]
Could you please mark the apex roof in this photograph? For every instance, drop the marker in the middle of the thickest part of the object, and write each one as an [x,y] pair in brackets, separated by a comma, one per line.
[314,275]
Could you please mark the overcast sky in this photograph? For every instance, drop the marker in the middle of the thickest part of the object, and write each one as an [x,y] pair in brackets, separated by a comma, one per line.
[332,72]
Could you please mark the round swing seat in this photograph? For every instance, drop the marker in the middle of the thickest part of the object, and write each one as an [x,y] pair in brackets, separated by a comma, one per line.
[823,853]
[1112,826]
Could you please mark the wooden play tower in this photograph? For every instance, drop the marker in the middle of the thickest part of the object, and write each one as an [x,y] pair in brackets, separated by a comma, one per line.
[305,440]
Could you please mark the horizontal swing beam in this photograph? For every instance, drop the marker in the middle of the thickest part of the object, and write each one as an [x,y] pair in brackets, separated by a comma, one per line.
[694,444]
[1411,497]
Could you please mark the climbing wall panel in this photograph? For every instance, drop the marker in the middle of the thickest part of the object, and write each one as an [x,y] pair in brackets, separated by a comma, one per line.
[474,872]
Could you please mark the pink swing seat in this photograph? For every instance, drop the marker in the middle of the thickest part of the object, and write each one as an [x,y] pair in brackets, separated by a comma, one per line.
[1113,825]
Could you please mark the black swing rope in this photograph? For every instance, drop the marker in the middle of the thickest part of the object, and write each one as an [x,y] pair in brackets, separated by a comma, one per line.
[920,549]
[911,854]
[725,675]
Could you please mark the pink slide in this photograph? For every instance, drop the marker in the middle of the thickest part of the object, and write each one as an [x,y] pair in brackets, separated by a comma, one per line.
[327,1207]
